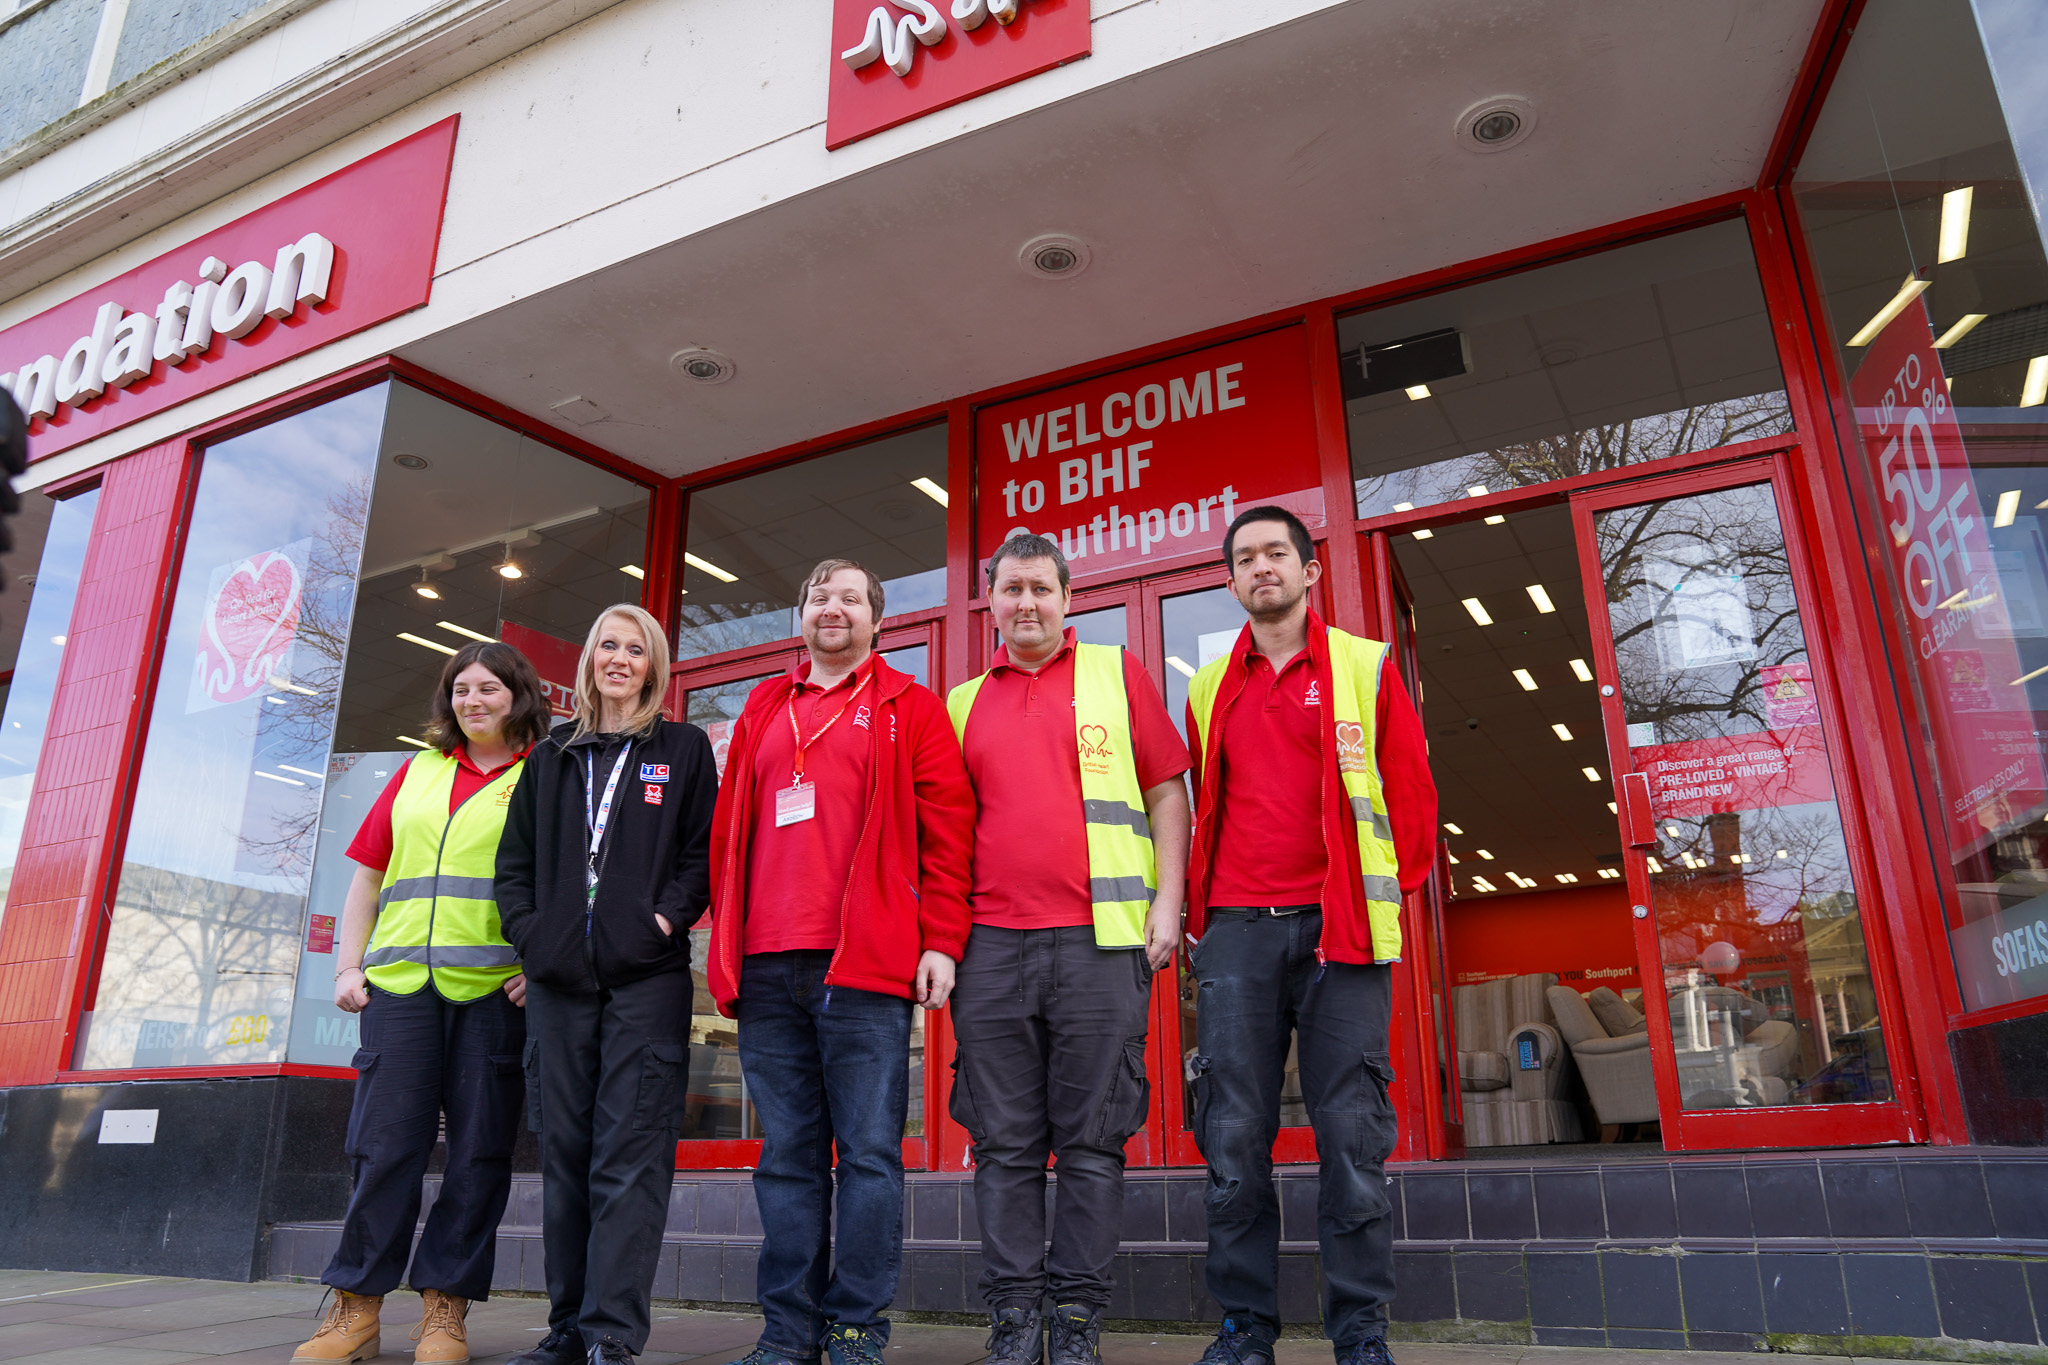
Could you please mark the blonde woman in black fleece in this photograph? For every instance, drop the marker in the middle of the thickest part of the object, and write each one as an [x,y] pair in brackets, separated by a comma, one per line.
[603,869]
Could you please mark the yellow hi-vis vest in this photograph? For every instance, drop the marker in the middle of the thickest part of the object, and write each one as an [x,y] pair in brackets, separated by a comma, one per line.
[1123,874]
[438,911]
[1354,712]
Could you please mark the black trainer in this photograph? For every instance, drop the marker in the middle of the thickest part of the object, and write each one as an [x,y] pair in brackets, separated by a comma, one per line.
[1076,1335]
[1235,1346]
[1365,1351]
[1016,1336]
[556,1348]
[764,1355]
[610,1351]
[853,1345]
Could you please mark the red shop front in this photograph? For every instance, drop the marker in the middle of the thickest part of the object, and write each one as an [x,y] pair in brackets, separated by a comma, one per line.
[1708,547]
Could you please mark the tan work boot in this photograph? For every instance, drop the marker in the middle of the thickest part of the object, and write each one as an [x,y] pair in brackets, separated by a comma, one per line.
[441,1336]
[349,1334]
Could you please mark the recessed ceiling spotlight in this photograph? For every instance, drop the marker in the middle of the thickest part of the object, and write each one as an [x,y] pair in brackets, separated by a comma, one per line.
[410,461]
[1054,256]
[703,365]
[1496,124]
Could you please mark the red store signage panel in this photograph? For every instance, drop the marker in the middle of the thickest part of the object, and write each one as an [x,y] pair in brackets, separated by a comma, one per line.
[1959,628]
[326,261]
[1154,461]
[896,60]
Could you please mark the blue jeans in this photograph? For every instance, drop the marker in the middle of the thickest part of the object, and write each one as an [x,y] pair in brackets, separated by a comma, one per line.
[824,1066]
[1258,981]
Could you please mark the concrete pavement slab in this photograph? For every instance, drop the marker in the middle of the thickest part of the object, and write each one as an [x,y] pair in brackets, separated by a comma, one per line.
[245,1335]
[34,1338]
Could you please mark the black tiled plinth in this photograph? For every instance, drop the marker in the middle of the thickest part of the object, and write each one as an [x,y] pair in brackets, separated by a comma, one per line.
[1730,1252]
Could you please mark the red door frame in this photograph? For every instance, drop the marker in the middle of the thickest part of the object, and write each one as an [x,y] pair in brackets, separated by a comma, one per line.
[1790,1125]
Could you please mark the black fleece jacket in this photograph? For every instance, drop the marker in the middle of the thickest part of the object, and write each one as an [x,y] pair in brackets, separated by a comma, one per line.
[655,858]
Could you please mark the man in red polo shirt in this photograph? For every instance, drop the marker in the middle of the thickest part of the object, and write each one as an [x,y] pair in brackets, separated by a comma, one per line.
[1295,882]
[1083,819]
[839,863]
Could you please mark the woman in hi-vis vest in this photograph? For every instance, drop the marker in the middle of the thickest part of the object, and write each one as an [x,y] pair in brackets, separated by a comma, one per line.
[442,1000]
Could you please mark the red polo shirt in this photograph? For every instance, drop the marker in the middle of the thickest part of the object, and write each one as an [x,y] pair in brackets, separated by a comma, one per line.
[1030,842]
[372,845]
[796,874]
[1271,852]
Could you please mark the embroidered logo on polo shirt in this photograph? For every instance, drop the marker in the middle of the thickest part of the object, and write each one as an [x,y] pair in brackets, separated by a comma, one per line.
[654,772]
[860,717]
[1351,747]
[651,793]
[1314,697]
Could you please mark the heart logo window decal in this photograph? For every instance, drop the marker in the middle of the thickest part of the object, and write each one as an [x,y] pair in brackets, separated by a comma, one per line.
[250,622]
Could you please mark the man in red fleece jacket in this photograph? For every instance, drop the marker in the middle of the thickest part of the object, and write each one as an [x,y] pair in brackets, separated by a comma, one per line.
[1295,881]
[839,860]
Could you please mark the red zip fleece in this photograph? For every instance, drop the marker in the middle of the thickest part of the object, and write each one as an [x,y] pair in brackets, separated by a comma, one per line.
[907,892]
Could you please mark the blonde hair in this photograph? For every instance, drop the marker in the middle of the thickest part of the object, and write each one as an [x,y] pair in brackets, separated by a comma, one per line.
[590,705]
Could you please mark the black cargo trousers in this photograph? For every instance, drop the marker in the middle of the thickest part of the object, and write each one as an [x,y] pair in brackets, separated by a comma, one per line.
[1050,1061]
[1258,980]
[608,1071]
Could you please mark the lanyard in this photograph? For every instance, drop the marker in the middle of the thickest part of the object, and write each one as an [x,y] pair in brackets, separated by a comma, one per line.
[595,821]
[797,732]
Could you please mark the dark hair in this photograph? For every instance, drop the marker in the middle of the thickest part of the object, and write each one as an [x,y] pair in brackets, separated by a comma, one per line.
[1304,544]
[823,574]
[528,721]
[1025,545]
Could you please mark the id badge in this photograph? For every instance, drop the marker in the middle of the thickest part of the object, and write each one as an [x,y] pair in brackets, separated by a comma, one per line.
[796,804]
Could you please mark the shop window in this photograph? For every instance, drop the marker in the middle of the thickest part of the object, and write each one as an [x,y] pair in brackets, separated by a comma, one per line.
[333,561]
[1928,256]
[752,542]
[50,539]
[1652,350]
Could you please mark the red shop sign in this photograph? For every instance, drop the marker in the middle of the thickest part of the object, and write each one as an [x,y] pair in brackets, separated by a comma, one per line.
[342,254]
[1155,461]
[1958,625]
[896,60]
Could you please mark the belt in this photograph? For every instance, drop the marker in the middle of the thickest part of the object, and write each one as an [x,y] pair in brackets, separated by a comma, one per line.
[1263,911]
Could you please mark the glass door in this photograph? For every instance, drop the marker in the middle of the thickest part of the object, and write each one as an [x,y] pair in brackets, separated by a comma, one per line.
[1769,1023]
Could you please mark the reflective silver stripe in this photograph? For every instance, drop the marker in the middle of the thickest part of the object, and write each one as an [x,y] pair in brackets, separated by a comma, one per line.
[1362,811]
[1383,889]
[445,887]
[446,955]
[1116,890]
[1116,813]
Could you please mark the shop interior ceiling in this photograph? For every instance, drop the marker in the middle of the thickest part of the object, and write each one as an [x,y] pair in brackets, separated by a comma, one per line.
[1299,162]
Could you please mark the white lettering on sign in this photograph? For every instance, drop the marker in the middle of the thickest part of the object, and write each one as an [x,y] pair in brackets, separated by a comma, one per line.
[123,347]
[2019,949]
[128,1125]
[889,36]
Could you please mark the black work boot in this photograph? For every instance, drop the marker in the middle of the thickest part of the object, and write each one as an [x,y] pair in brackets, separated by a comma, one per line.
[556,1348]
[1235,1346]
[1016,1336]
[1365,1351]
[1076,1335]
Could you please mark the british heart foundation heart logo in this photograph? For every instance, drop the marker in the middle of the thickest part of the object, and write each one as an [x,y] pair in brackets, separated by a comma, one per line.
[252,617]
[1350,746]
[1094,741]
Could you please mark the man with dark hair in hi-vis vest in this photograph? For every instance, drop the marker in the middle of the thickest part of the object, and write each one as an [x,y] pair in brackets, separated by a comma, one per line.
[1316,812]
[1080,848]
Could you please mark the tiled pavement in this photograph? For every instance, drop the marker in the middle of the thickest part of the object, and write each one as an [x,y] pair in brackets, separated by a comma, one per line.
[59,1318]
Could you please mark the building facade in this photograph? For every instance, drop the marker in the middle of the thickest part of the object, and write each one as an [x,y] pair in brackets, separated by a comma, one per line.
[1665,382]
